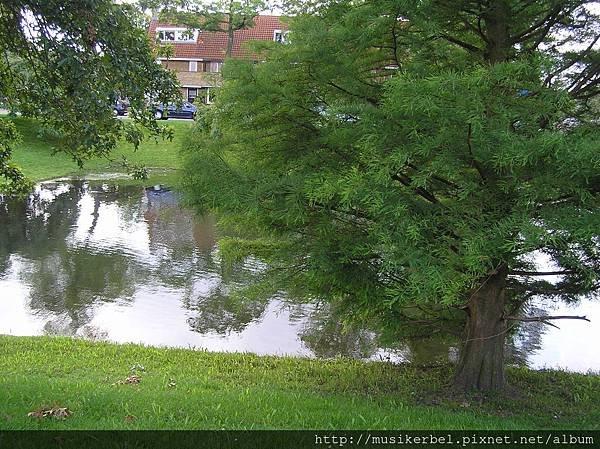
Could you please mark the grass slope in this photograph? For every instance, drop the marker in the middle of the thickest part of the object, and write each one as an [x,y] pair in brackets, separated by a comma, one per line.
[34,154]
[185,389]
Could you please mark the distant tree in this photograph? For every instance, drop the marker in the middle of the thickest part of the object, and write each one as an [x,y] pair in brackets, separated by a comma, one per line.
[408,161]
[220,16]
[66,63]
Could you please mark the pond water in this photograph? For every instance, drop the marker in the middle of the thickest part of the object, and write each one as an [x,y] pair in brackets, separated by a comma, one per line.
[125,264]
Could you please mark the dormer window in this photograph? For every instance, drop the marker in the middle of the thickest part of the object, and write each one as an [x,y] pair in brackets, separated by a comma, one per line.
[176,35]
[279,36]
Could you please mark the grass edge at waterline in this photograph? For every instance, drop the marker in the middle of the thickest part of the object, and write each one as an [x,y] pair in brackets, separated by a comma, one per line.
[190,389]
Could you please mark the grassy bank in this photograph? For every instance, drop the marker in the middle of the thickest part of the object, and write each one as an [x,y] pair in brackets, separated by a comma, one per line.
[184,389]
[34,155]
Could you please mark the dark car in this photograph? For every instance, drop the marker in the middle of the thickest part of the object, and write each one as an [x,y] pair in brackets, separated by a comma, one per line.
[172,110]
[120,107]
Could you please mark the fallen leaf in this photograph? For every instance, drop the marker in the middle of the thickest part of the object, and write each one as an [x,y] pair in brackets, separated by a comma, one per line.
[55,412]
[60,413]
[130,418]
[133,379]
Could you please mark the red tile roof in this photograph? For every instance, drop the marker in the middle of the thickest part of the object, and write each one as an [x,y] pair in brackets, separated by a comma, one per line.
[213,45]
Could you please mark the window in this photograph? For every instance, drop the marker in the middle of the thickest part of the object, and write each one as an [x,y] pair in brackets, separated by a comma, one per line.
[192,93]
[176,35]
[279,36]
[193,66]
[166,35]
[214,66]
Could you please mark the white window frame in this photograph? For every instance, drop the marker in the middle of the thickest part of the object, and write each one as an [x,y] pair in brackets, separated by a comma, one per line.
[188,94]
[199,88]
[180,35]
[215,64]
[193,66]
[283,34]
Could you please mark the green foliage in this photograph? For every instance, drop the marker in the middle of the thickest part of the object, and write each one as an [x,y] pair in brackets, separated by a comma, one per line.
[401,163]
[15,181]
[66,63]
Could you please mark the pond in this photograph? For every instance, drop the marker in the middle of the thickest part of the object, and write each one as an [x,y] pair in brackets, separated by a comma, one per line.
[121,263]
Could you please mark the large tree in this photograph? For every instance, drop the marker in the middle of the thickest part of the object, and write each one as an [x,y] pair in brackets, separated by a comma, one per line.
[412,160]
[66,63]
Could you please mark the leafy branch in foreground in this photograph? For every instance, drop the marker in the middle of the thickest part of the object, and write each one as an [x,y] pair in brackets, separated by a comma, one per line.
[66,63]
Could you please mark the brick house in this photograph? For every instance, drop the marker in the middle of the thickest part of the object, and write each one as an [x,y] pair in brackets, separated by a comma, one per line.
[198,56]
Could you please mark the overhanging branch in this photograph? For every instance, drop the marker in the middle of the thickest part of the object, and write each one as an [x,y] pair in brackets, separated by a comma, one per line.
[469,47]
[544,318]
[406,181]
[540,273]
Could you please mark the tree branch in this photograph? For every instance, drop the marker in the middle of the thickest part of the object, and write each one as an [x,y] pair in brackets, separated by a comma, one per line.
[463,44]
[406,181]
[540,273]
[552,18]
[370,100]
[437,178]
[395,39]
[474,161]
[547,317]
[572,62]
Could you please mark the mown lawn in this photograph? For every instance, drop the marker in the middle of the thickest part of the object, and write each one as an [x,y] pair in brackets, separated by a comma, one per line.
[185,389]
[34,154]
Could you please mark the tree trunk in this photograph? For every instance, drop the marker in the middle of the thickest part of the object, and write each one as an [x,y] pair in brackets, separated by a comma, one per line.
[498,44]
[230,31]
[481,365]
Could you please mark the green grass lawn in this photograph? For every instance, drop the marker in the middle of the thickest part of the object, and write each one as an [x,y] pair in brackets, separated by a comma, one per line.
[34,155]
[185,389]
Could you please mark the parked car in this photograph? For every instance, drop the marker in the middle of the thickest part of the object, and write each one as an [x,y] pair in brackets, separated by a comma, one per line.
[172,110]
[120,107]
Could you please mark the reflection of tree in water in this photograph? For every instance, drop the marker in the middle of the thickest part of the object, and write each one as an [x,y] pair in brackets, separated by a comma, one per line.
[172,229]
[216,309]
[327,337]
[68,271]
[29,228]
[68,282]
[222,313]
[66,278]
[182,244]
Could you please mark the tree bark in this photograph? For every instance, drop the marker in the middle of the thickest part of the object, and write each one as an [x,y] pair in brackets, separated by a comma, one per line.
[481,364]
[498,33]
[230,35]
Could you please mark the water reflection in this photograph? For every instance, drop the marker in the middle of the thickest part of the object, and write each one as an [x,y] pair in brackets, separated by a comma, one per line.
[121,263]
